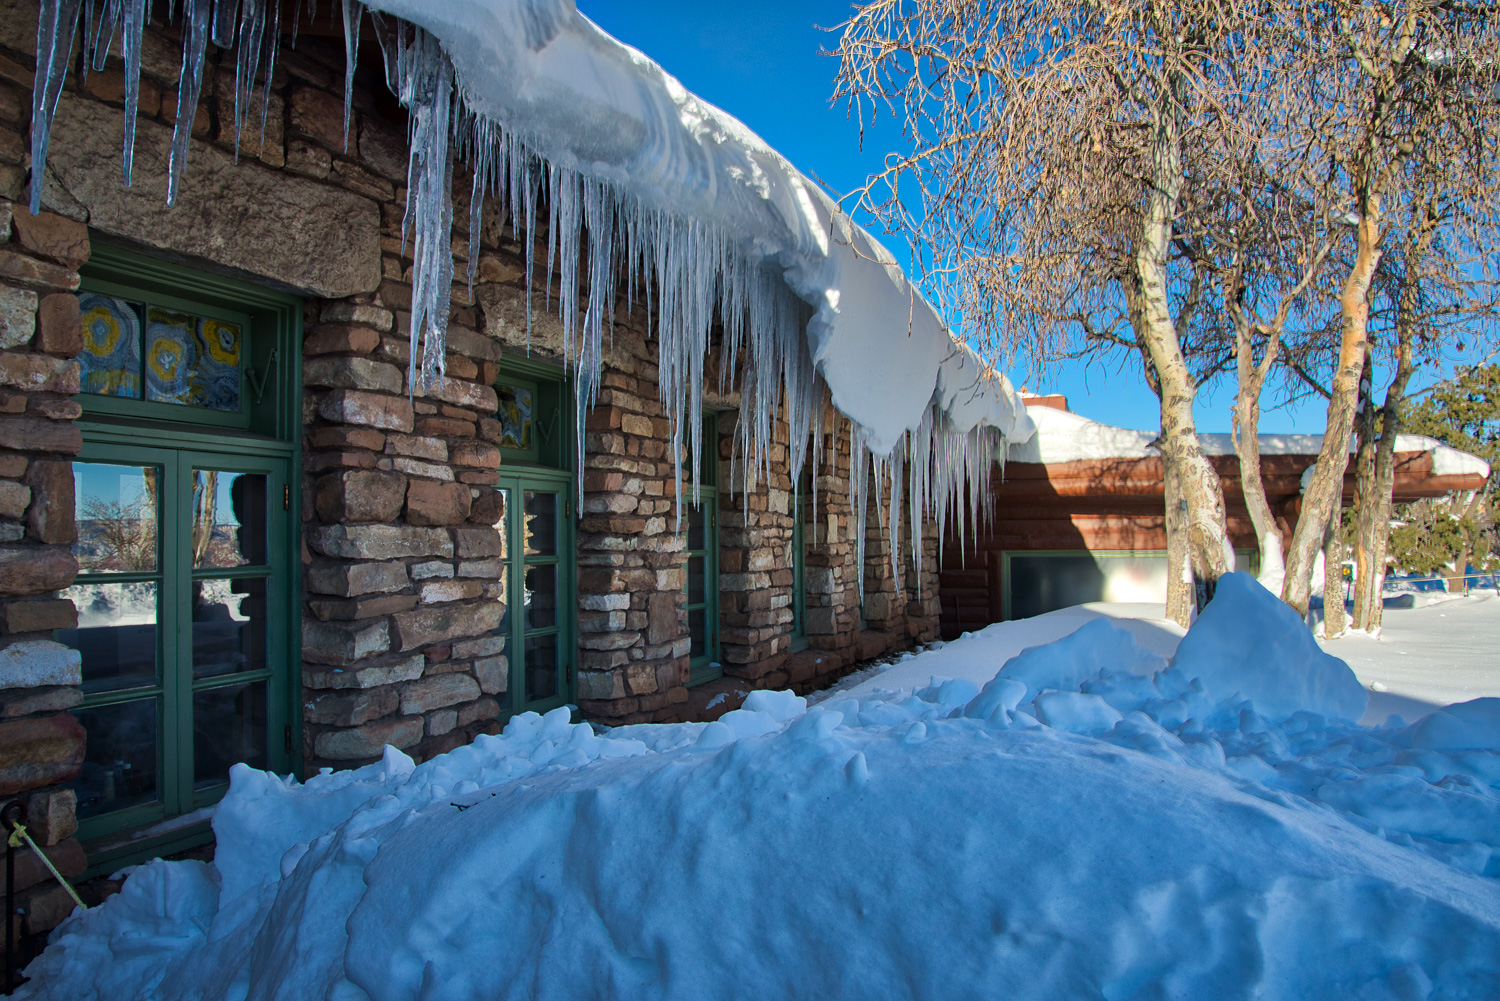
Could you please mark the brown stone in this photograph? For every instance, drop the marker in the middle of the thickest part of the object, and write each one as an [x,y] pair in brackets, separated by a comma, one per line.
[359,495]
[50,518]
[39,752]
[478,454]
[267,145]
[372,673]
[38,615]
[56,408]
[14,497]
[35,569]
[318,115]
[379,542]
[52,236]
[369,740]
[445,427]
[18,316]
[479,542]
[31,271]
[343,642]
[67,855]
[338,338]
[438,591]
[52,816]
[350,708]
[38,373]
[437,691]
[436,623]
[348,580]
[383,148]
[429,503]
[479,709]
[312,237]
[338,372]
[351,406]
[36,434]
[493,673]
[661,612]
[361,608]
[465,394]
[419,446]
[488,508]
[16,702]
[346,437]
[44,907]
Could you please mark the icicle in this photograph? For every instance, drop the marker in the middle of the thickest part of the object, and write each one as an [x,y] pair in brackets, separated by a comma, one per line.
[104,34]
[274,49]
[197,14]
[226,20]
[131,30]
[56,27]
[353,14]
[247,62]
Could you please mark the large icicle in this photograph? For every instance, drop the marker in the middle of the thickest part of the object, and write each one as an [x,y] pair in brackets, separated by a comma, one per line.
[56,26]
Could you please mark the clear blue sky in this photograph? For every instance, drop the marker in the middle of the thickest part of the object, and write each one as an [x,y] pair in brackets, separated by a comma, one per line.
[760,62]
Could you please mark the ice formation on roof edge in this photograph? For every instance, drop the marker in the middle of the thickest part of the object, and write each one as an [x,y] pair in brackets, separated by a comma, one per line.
[697,267]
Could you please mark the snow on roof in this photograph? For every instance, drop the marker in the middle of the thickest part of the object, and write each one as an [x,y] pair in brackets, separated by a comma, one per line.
[587,102]
[1063,436]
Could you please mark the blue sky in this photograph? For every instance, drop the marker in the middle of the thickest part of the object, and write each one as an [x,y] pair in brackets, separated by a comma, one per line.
[760,61]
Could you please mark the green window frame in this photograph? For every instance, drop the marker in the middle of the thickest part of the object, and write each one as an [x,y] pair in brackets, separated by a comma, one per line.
[801,507]
[190,445]
[701,577]
[539,532]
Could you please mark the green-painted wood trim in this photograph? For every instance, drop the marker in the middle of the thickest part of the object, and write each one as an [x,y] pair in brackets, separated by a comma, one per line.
[517,480]
[800,502]
[707,666]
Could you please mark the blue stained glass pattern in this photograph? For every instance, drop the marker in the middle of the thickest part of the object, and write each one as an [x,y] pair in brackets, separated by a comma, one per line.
[171,355]
[110,364]
[216,377]
[516,416]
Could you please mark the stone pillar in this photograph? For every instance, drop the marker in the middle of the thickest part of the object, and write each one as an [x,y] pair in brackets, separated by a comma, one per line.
[41,743]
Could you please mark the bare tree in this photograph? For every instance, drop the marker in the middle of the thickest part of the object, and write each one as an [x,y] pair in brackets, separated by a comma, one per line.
[1059,152]
[1405,80]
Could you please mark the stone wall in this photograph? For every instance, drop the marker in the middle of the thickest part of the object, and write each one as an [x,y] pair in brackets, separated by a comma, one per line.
[402,585]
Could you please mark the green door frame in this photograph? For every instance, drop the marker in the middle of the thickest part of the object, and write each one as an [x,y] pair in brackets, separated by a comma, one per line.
[702,516]
[263,437]
[801,499]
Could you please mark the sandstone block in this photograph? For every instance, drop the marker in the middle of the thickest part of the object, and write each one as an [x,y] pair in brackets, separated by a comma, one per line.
[352,406]
[484,646]
[476,454]
[423,626]
[52,236]
[429,470]
[50,517]
[493,673]
[35,569]
[361,608]
[343,642]
[379,542]
[16,702]
[640,679]
[364,314]
[465,394]
[312,237]
[340,338]
[349,580]
[38,615]
[417,446]
[346,437]
[30,271]
[437,691]
[661,618]
[439,591]
[441,722]
[604,602]
[479,542]
[359,495]
[429,503]
[431,569]
[352,373]
[52,816]
[350,708]
[488,569]
[44,906]
[367,741]
[36,434]
[39,752]
[17,316]
[388,670]
[67,855]
[34,663]
[14,498]
[600,685]
[477,710]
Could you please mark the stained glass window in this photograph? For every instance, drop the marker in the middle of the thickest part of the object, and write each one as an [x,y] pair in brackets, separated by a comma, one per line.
[517,415]
[139,351]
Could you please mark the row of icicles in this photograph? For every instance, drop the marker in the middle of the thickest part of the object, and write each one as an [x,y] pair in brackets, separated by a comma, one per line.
[692,274]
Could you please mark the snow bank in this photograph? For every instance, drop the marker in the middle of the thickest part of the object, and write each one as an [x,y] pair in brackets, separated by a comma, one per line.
[1094,822]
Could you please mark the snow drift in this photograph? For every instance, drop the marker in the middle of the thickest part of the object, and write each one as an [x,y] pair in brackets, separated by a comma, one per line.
[1127,834]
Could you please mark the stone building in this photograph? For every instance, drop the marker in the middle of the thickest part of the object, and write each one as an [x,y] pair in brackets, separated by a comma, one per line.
[230,530]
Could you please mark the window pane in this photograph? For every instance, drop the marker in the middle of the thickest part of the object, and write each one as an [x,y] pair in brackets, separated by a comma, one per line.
[192,360]
[695,580]
[502,523]
[116,511]
[110,364]
[119,765]
[541,667]
[229,626]
[541,523]
[229,726]
[696,518]
[116,634]
[541,596]
[517,416]
[229,519]
[698,630]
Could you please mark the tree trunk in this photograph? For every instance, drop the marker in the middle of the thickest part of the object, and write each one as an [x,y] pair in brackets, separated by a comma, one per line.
[1364,474]
[1335,622]
[1324,494]
[1246,432]
[1372,531]
[1179,569]
[1181,452]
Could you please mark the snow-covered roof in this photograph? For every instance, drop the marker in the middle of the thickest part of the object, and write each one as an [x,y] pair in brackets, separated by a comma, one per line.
[1063,436]
[587,102]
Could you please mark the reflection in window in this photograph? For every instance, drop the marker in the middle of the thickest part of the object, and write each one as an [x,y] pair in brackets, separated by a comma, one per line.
[517,415]
[540,523]
[229,626]
[229,726]
[116,634]
[541,667]
[229,519]
[116,511]
[119,765]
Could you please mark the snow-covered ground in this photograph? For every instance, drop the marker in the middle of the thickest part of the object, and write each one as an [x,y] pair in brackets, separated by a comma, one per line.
[1093,822]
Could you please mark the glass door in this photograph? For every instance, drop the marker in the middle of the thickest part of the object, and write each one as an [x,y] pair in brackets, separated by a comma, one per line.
[183,597]
[536,529]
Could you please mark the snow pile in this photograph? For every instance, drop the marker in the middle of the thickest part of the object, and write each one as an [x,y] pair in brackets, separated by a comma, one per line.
[1094,822]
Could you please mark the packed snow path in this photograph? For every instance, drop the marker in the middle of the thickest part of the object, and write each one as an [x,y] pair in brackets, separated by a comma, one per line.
[1095,822]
